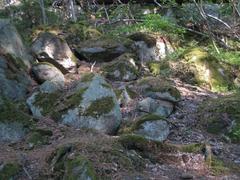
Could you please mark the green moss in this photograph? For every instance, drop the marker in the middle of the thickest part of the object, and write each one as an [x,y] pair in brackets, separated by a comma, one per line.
[145,118]
[208,70]
[87,77]
[108,86]
[155,84]
[47,101]
[132,94]
[79,168]
[39,137]
[192,148]
[9,112]
[54,104]
[9,171]
[100,107]
[157,68]
[218,167]
[139,143]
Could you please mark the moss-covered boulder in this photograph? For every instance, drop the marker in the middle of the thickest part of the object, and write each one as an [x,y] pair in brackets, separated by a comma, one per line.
[103,49]
[123,68]
[158,88]
[151,47]
[9,170]
[151,127]
[48,47]
[157,107]
[11,43]
[208,70]
[14,123]
[221,116]
[91,104]
[14,78]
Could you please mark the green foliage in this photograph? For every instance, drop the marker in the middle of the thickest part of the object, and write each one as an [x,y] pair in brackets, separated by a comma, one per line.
[9,171]
[151,23]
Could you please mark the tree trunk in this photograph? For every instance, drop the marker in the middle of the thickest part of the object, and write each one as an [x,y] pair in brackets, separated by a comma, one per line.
[44,17]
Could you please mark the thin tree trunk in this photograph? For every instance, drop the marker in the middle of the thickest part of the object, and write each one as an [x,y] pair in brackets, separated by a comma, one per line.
[44,17]
[72,10]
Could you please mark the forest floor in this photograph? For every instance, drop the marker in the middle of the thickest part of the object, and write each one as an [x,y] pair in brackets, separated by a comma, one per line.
[184,130]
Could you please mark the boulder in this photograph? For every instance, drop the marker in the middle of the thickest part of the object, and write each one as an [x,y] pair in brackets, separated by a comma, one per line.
[151,127]
[151,47]
[208,70]
[14,123]
[123,68]
[156,107]
[48,47]
[91,104]
[221,116]
[14,78]
[49,76]
[11,43]
[103,49]
[158,88]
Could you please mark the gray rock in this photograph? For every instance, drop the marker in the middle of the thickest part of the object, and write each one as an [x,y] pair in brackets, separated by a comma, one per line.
[14,123]
[152,128]
[50,48]
[159,88]
[157,107]
[14,78]
[11,43]
[51,78]
[91,104]
[123,68]
[151,47]
[47,72]
[103,49]
[11,132]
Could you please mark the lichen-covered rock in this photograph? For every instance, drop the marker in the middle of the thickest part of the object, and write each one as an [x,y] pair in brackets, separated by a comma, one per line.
[91,104]
[49,76]
[11,43]
[14,78]
[158,88]
[51,48]
[14,124]
[221,116]
[151,127]
[207,70]
[151,47]
[9,170]
[157,107]
[123,68]
[103,49]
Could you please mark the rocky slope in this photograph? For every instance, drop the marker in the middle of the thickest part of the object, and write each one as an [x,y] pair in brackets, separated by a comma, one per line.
[115,113]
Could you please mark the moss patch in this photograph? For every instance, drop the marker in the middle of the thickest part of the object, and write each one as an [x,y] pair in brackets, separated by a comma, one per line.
[39,137]
[9,171]
[208,70]
[9,112]
[87,77]
[157,68]
[100,107]
[79,168]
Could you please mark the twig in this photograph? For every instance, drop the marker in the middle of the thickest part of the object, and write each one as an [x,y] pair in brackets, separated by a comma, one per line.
[92,66]
[25,170]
